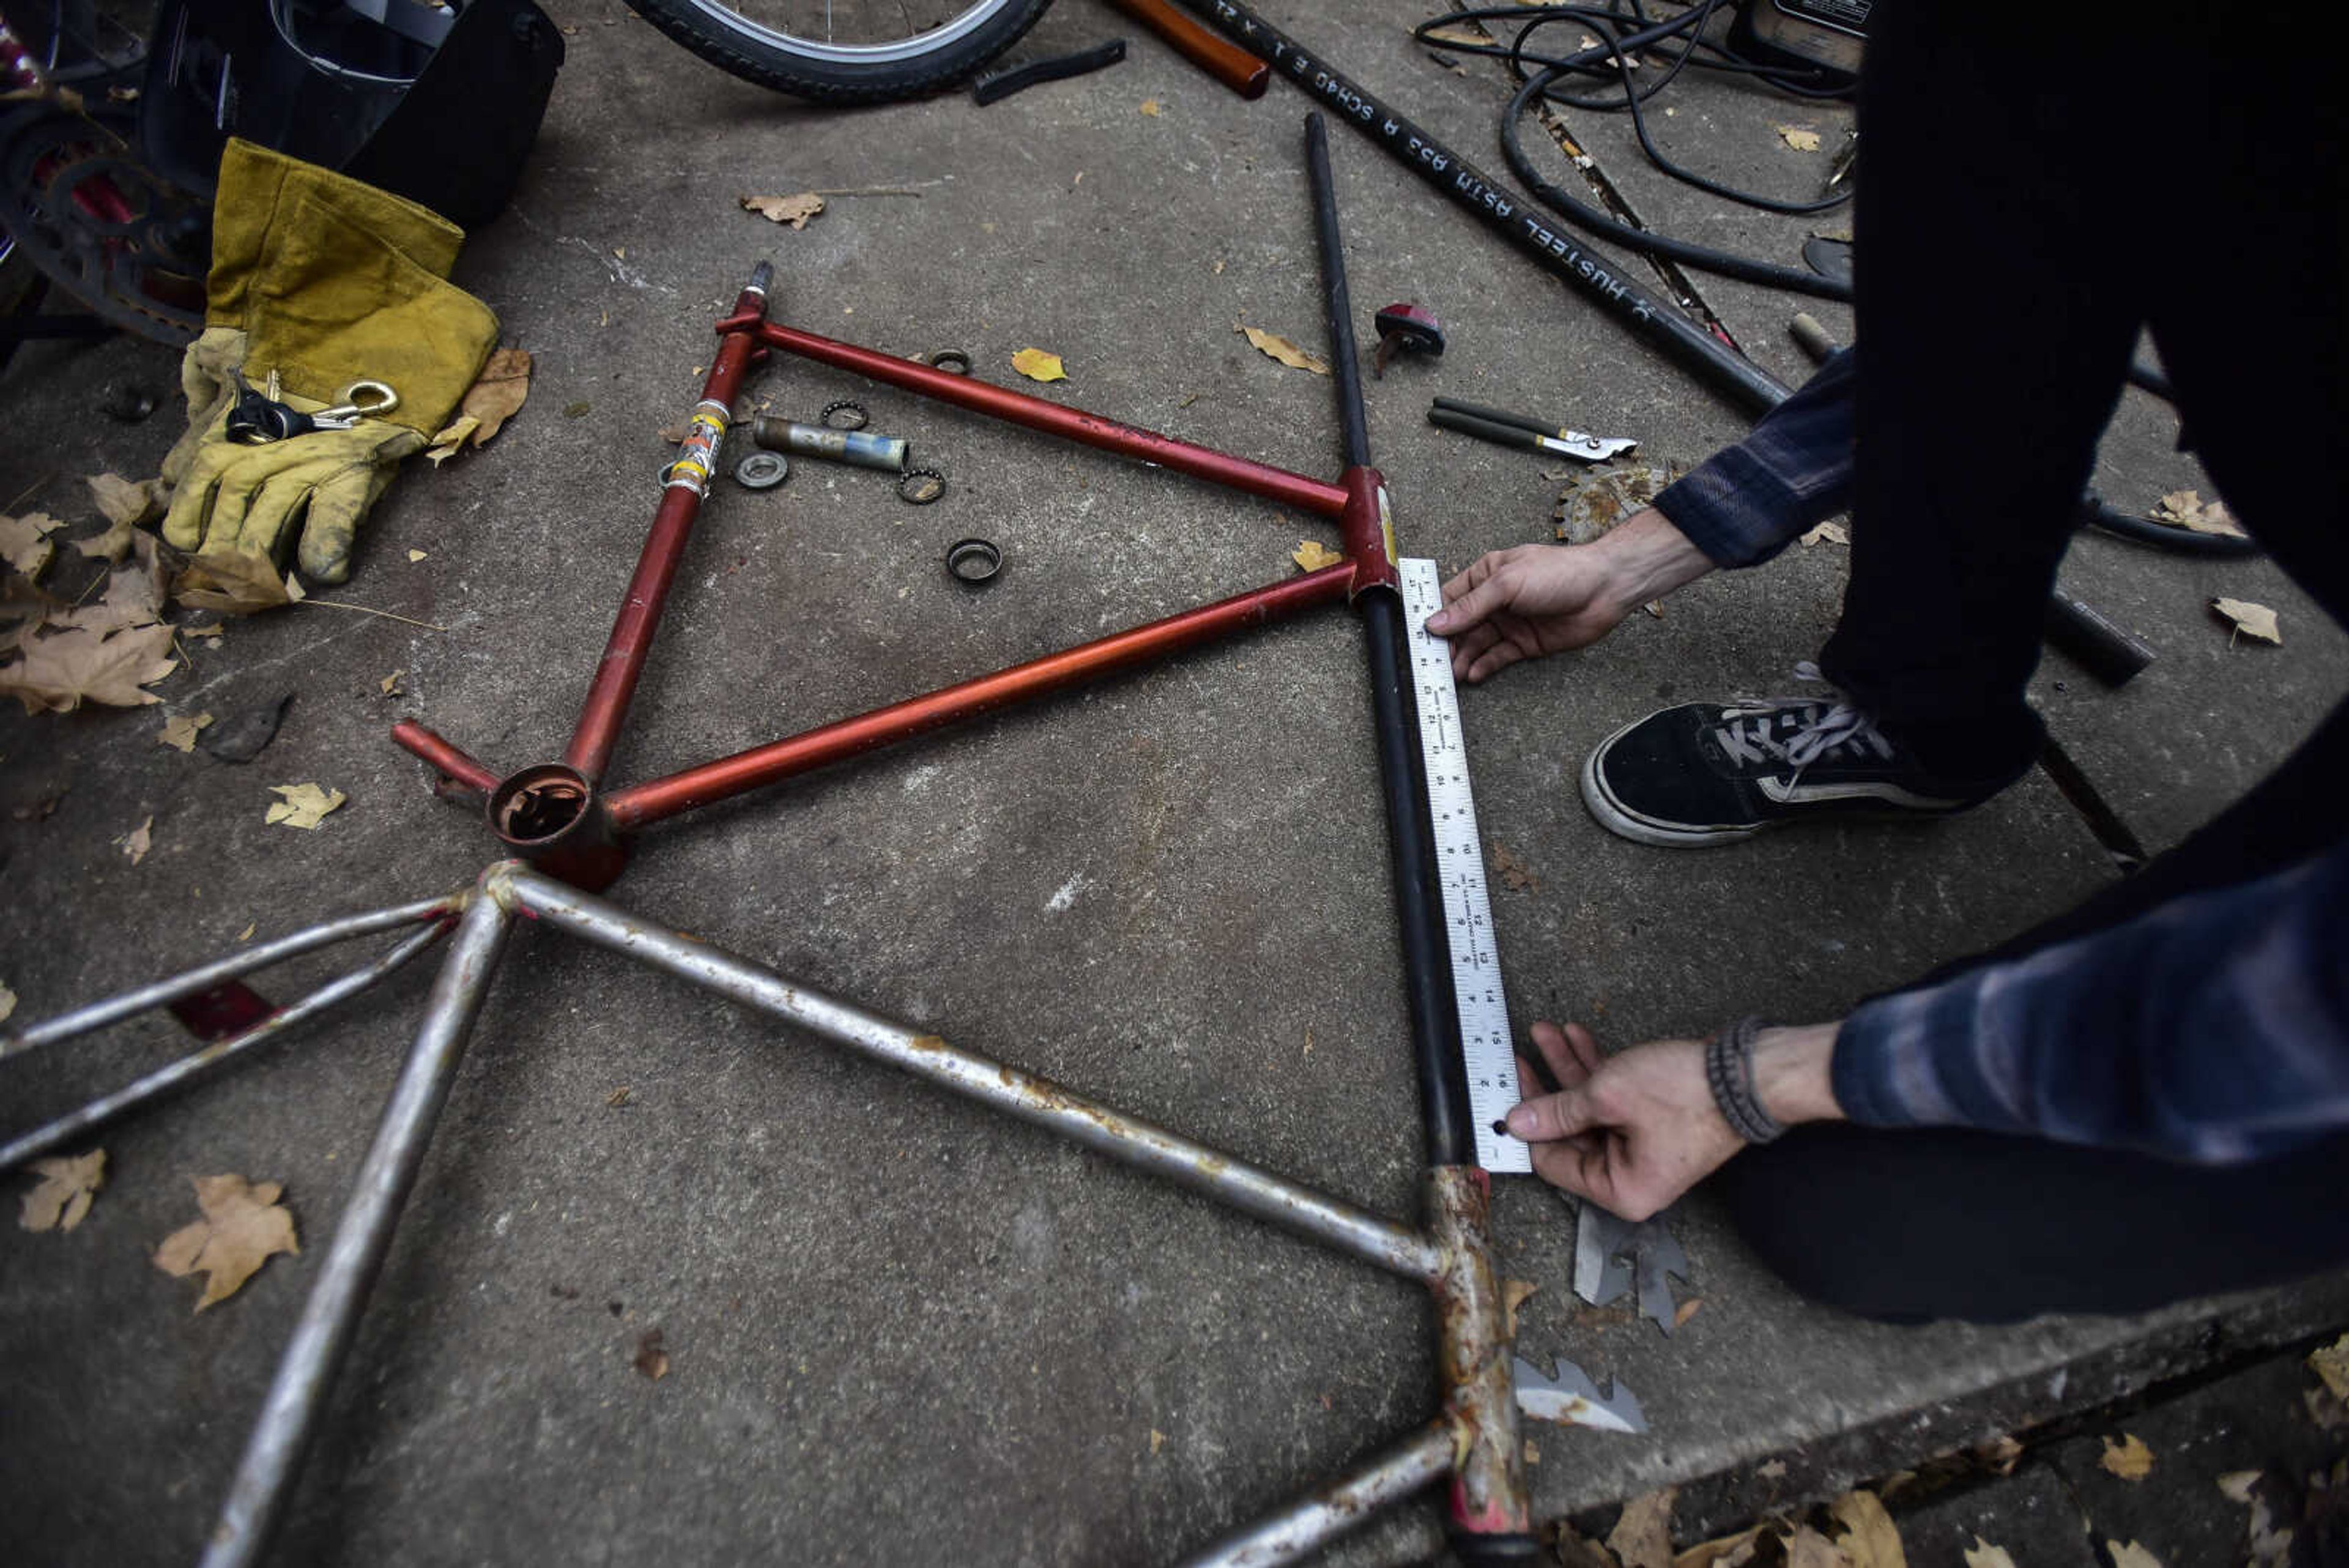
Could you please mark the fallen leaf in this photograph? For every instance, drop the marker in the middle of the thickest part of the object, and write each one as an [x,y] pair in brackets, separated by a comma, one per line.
[1826,533]
[1039,366]
[1806,1548]
[2128,1459]
[651,1359]
[2236,1485]
[2250,620]
[1274,346]
[67,1184]
[1575,1549]
[1800,140]
[1687,1310]
[1150,107]
[59,670]
[133,596]
[1655,608]
[416,555]
[1723,1552]
[1157,1439]
[180,732]
[139,841]
[1642,1537]
[233,584]
[617,1097]
[25,543]
[1512,1296]
[125,503]
[1313,555]
[1999,1455]
[1514,874]
[793,210]
[1459,37]
[1774,1470]
[303,804]
[2331,1363]
[243,1223]
[1983,1554]
[2326,1409]
[496,395]
[246,935]
[1870,1539]
[390,683]
[7,1003]
[2131,1555]
[452,436]
[578,410]
[2187,509]
[211,633]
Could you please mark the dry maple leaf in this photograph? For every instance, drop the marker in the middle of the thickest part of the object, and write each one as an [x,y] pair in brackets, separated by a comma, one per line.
[651,1359]
[452,436]
[127,503]
[1999,1455]
[133,596]
[2331,1363]
[68,1182]
[1642,1537]
[303,804]
[243,1223]
[1983,1554]
[2187,509]
[1826,533]
[1724,1552]
[1798,137]
[24,542]
[1314,555]
[2128,1459]
[2250,620]
[389,684]
[793,210]
[1575,1549]
[1273,345]
[139,841]
[1039,366]
[59,670]
[1460,35]
[234,584]
[1150,107]
[180,732]
[1870,1539]
[1157,1439]
[2131,1555]
[497,394]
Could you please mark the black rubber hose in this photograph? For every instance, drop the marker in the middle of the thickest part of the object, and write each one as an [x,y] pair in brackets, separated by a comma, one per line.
[2162,535]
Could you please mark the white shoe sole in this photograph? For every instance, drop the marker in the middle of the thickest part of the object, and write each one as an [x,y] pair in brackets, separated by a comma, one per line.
[1624,823]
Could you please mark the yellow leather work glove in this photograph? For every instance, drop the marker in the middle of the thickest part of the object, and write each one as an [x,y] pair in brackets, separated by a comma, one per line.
[322,276]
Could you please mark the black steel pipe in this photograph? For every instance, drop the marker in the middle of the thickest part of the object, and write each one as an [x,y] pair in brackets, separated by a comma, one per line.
[1656,321]
[1345,358]
[1428,996]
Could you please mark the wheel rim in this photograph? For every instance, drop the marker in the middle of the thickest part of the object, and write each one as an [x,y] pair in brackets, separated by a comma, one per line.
[818,37]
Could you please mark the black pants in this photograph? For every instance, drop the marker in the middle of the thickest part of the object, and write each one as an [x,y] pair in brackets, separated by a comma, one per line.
[2037,192]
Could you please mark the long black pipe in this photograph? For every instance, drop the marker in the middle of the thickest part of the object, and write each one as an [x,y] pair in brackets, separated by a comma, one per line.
[1656,321]
[1402,774]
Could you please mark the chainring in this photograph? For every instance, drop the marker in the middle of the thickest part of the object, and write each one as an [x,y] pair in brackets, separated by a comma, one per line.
[101,224]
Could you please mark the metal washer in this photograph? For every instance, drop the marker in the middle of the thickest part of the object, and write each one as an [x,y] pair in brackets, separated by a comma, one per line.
[762,470]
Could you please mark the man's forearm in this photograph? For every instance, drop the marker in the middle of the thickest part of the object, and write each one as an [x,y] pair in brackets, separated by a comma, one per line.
[1793,1073]
[1647,558]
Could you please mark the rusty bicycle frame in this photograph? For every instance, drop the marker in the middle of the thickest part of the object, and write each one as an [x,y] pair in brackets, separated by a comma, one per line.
[569,840]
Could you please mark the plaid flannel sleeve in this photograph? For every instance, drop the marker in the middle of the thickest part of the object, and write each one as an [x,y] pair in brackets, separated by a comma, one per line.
[2213,1028]
[1747,501]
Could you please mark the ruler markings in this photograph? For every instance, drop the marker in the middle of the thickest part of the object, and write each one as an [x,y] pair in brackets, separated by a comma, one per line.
[1485,1038]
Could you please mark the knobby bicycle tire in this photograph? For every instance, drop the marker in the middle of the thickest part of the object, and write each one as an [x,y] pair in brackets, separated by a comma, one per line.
[806,68]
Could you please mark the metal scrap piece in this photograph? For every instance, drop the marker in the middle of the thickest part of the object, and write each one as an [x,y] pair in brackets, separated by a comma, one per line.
[1612,1256]
[1570,1397]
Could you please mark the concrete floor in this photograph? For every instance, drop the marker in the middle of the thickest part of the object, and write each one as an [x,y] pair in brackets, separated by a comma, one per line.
[900,1330]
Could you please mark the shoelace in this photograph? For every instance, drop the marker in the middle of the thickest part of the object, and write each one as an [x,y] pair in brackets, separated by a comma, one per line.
[1758,730]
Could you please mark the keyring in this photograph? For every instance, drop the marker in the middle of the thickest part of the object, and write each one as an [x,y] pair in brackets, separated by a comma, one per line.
[973,561]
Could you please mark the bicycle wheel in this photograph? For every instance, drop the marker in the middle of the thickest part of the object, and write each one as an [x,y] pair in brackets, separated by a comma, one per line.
[846,51]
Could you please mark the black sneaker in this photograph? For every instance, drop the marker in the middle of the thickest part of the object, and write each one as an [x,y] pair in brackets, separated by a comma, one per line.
[1707,773]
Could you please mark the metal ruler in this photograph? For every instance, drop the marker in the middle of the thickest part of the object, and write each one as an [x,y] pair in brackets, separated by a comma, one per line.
[1484,1037]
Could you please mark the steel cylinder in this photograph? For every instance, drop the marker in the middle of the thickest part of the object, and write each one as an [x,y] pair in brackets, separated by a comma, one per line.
[885,452]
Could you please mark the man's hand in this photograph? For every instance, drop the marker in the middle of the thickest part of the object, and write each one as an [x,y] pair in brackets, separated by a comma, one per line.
[1634,1131]
[1547,599]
